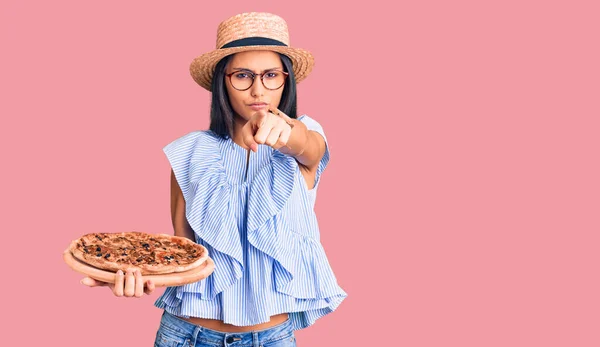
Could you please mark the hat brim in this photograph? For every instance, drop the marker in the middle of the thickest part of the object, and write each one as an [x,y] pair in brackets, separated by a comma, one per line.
[203,67]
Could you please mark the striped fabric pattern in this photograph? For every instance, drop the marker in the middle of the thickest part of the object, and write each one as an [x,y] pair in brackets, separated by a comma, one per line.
[259,226]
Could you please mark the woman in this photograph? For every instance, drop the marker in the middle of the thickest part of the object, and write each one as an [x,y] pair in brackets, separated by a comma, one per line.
[245,189]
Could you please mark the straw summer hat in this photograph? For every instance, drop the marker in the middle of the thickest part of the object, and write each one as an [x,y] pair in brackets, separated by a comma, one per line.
[250,32]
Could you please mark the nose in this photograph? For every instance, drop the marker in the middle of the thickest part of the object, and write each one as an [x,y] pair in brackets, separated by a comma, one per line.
[257,88]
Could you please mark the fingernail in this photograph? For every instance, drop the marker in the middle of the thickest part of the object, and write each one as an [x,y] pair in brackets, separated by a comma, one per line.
[119,272]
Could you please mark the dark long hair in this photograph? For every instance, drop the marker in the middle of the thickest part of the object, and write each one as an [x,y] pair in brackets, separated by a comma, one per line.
[221,112]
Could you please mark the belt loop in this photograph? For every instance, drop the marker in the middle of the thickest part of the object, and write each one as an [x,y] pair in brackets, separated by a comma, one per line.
[255,341]
[195,334]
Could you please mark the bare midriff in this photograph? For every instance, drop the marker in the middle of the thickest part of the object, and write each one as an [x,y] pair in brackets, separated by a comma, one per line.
[218,325]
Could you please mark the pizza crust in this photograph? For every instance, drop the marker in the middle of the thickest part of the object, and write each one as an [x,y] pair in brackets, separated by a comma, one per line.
[160,253]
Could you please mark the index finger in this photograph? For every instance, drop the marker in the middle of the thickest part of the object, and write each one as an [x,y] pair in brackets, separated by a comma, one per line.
[275,110]
[285,117]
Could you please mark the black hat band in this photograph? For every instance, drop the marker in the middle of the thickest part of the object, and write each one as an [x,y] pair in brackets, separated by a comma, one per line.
[254,41]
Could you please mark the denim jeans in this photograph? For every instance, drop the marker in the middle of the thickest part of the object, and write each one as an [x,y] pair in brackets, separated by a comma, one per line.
[176,332]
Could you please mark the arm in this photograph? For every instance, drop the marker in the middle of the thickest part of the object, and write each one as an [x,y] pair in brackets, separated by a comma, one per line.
[310,156]
[181,227]
[289,136]
[307,146]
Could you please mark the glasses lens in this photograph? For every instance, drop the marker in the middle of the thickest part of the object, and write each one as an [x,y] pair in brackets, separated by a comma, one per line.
[242,80]
[273,79]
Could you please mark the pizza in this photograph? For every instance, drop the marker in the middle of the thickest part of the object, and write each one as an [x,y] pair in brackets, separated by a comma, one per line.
[151,253]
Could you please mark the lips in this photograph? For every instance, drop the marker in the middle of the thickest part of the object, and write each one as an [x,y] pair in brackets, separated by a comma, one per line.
[258,106]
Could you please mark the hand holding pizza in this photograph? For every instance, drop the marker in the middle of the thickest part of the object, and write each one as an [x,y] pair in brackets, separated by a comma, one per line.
[128,285]
[271,128]
[134,263]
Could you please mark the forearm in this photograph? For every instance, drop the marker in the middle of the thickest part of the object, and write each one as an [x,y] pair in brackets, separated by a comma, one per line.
[304,145]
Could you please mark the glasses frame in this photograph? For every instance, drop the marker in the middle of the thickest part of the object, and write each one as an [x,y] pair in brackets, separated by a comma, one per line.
[262,75]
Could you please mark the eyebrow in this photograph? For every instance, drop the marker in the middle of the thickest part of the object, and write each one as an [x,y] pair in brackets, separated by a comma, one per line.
[246,69]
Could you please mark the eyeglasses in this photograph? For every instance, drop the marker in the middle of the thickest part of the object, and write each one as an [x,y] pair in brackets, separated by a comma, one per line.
[244,79]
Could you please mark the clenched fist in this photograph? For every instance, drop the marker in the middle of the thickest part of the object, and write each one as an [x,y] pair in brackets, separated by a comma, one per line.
[271,128]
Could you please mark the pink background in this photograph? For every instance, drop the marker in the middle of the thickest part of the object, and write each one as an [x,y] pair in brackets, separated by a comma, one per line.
[461,206]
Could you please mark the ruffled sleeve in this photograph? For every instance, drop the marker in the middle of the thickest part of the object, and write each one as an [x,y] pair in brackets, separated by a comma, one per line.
[313,125]
[196,162]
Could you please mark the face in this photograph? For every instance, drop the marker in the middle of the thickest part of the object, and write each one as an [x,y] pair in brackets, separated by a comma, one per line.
[247,102]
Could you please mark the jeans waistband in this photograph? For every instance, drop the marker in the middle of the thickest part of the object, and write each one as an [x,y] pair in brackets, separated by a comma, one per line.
[219,338]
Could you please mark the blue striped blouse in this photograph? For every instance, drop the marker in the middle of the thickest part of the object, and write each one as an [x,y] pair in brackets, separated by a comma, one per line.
[259,227]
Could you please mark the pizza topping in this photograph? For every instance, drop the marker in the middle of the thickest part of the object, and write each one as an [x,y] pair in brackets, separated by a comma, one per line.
[151,254]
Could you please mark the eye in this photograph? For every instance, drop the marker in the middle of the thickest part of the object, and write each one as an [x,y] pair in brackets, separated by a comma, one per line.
[241,75]
[272,74]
